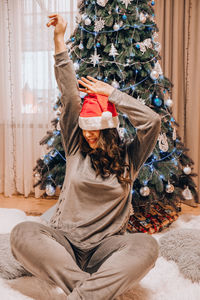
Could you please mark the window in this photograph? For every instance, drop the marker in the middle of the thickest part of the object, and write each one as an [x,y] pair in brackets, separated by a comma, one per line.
[39,87]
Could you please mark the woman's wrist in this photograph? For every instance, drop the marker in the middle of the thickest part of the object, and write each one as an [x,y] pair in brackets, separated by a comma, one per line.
[59,44]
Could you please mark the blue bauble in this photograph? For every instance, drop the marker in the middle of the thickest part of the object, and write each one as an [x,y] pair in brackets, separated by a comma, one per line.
[138,46]
[124,17]
[105,79]
[98,44]
[152,2]
[73,39]
[157,101]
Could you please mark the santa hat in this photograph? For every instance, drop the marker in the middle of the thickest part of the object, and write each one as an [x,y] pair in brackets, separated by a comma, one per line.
[98,113]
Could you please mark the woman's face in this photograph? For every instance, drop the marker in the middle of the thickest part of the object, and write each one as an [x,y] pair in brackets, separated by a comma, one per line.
[92,137]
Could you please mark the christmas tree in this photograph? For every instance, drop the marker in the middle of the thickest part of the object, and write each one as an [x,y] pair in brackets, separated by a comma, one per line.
[116,41]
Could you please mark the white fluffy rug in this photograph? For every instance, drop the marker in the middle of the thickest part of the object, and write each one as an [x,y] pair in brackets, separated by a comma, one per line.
[163,282]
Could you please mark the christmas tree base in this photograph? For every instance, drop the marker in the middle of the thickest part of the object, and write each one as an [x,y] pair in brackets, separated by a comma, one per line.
[159,217]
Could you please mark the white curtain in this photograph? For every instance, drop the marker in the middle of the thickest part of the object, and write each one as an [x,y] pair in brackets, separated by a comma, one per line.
[28,90]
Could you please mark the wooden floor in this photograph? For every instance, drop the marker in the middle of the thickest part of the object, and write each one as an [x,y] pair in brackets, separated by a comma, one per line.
[37,206]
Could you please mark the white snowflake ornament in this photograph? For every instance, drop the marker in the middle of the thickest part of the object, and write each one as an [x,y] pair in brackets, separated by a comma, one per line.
[95,58]
[99,25]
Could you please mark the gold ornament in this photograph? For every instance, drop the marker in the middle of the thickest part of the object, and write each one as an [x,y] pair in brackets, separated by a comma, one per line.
[154,74]
[144,191]
[169,188]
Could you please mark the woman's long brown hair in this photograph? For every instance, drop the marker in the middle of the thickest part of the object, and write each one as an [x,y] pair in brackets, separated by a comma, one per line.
[108,158]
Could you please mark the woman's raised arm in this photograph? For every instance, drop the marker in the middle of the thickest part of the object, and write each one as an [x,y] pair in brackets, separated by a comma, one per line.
[68,86]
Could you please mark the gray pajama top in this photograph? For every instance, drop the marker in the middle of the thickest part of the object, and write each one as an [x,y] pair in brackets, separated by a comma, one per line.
[91,208]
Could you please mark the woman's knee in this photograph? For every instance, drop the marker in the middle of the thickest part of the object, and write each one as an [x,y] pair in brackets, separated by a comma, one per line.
[143,245]
[21,233]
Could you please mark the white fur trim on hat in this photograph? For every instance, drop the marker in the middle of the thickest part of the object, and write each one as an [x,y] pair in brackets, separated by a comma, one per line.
[98,123]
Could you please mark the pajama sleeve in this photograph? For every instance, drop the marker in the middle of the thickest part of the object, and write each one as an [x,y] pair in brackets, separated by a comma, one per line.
[70,100]
[146,122]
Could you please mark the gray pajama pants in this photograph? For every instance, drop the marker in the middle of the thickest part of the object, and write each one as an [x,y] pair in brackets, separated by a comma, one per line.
[104,272]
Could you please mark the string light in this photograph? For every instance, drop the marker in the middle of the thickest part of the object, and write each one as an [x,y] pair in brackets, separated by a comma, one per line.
[159,160]
[121,28]
[114,62]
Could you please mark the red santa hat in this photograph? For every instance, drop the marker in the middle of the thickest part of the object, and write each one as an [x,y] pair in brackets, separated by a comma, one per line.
[98,113]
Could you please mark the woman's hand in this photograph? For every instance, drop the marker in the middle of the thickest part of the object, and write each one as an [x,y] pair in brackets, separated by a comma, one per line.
[95,86]
[59,23]
[59,32]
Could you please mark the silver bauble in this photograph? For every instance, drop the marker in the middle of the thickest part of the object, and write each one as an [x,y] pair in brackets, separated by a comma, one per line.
[116,27]
[169,102]
[115,84]
[144,191]
[169,188]
[154,75]
[187,170]
[80,46]
[87,21]
[50,190]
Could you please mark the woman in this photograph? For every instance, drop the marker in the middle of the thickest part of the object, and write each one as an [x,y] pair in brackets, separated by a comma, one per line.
[84,250]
